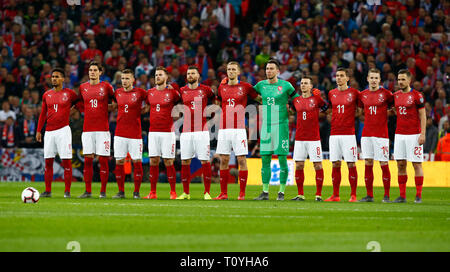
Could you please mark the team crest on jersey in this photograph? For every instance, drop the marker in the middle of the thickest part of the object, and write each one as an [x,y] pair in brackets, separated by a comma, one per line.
[311,103]
[381,98]
[65,98]
[280,88]
[409,101]
[350,97]
[133,97]
[167,99]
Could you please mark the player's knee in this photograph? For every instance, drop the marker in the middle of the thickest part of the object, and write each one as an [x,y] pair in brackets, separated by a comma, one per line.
[417,166]
[242,161]
[383,163]
[187,162]
[120,162]
[154,161]
[369,162]
[168,162]
[224,161]
[351,164]
[336,164]
[317,165]
[299,165]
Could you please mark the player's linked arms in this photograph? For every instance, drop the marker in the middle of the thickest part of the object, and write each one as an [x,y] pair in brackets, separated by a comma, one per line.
[258,99]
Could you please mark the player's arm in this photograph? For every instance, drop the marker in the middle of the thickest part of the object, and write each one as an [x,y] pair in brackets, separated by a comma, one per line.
[423,125]
[42,120]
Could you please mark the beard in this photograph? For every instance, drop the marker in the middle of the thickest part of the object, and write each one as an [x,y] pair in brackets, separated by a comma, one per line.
[191,80]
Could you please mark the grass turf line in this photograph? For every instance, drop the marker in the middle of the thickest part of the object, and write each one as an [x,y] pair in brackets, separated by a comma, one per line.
[199,225]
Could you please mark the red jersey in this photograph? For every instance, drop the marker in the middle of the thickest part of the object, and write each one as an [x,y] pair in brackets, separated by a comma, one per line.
[234,101]
[375,104]
[195,101]
[56,109]
[161,105]
[343,114]
[407,106]
[129,105]
[95,99]
[308,117]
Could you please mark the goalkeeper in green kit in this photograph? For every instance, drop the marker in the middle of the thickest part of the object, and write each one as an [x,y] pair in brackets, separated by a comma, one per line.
[274,135]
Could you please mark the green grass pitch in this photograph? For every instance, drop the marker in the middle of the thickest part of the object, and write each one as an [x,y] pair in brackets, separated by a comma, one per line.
[197,225]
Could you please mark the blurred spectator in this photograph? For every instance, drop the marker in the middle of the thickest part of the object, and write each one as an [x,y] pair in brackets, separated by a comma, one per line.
[9,133]
[6,112]
[431,137]
[443,147]
[27,128]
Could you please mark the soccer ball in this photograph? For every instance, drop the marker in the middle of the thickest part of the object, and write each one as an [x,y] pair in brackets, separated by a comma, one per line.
[30,195]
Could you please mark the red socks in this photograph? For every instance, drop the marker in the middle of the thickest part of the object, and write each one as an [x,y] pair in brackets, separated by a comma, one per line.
[171,177]
[299,179]
[185,177]
[104,172]
[207,173]
[402,179]
[353,179]
[224,180]
[336,178]
[368,178]
[154,175]
[419,185]
[319,182]
[386,179]
[67,164]
[120,177]
[88,172]
[243,174]
[48,174]
[138,172]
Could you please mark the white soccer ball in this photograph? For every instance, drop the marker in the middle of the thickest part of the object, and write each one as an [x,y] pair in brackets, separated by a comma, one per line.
[30,195]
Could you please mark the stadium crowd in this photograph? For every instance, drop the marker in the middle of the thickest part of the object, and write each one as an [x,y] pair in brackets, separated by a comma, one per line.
[308,37]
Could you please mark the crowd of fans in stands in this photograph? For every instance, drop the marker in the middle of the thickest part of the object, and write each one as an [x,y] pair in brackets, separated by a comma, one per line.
[308,37]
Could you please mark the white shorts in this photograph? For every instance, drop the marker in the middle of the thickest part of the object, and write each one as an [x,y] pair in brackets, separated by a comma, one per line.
[195,143]
[235,139]
[58,142]
[375,148]
[304,148]
[161,144]
[123,146]
[406,147]
[96,142]
[343,146]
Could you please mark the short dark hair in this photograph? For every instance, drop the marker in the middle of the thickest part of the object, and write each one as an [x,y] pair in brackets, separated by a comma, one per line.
[128,71]
[234,63]
[274,61]
[342,69]
[193,67]
[161,68]
[94,63]
[59,70]
[406,72]
[374,70]
[308,77]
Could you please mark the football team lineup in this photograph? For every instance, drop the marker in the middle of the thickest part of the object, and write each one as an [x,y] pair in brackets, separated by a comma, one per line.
[278,98]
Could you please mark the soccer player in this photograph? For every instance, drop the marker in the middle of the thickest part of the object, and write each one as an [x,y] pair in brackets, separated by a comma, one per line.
[275,94]
[344,101]
[194,140]
[307,136]
[409,134]
[161,137]
[128,135]
[375,139]
[96,139]
[56,105]
[232,134]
